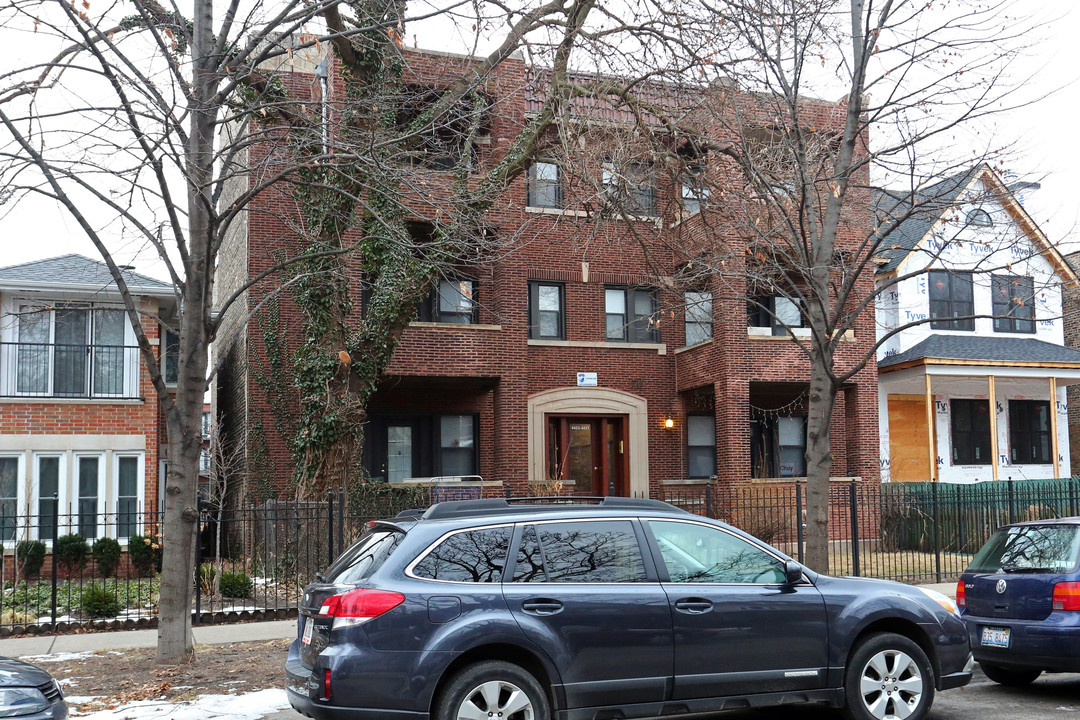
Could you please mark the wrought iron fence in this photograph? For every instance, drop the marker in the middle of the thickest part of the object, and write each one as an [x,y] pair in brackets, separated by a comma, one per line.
[254,561]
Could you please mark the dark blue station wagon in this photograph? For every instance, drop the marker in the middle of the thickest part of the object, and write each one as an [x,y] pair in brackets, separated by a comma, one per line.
[602,610]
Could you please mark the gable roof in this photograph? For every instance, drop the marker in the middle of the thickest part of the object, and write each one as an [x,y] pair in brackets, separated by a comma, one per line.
[1022,351]
[919,212]
[76,272]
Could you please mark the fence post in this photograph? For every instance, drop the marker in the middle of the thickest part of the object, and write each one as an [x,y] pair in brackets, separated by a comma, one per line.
[798,521]
[341,520]
[937,532]
[198,561]
[330,527]
[55,532]
[1012,502]
[708,499]
[1072,496]
[854,502]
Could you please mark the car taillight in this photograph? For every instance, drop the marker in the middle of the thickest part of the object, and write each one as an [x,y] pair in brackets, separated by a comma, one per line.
[1067,596]
[326,685]
[961,596]
[358,606]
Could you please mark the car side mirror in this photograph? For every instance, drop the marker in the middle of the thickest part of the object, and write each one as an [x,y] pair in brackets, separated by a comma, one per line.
[793,572]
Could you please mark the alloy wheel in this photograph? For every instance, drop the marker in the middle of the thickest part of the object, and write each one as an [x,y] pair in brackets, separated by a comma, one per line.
[891,686]
[496,700]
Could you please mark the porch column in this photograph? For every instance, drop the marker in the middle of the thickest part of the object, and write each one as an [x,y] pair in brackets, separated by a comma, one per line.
[993,427]
[930,429]
[1054,425]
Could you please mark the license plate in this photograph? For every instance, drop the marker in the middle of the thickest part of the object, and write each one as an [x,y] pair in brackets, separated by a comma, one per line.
[995,637]
[309,626]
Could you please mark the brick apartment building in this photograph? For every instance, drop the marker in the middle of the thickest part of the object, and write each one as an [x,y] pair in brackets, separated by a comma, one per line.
[569,357]
[79,416]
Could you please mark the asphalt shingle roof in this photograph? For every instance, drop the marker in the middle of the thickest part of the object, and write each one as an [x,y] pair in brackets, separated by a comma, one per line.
[75,270]
[916,216]
[973,347]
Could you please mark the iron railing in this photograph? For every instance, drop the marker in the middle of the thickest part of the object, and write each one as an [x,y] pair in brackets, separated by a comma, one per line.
[58,370]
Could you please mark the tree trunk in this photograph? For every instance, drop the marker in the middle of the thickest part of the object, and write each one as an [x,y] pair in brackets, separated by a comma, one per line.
[819,460]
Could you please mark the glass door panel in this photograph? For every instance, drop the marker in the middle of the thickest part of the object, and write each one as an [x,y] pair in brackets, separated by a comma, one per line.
[33,352]
[69,364]
[89,474]
[399,452]
[108,352]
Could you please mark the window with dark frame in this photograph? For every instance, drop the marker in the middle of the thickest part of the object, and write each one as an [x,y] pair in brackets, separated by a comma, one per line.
[545,185]
[700,446]
[1029,432]
[451,301]
[546,311]
[699,316]
[631,315]
[776,312]
[970,432]
[979,217]
[778,446]
[634,184]
[1013,303]
[421,445]
[694,190]
[457,445]
[952,300]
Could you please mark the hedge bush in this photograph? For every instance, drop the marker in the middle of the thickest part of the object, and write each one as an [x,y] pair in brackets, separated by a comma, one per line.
[71,552]
[31,554]
[106,556]
[98,602]
[235,585]
[145,554]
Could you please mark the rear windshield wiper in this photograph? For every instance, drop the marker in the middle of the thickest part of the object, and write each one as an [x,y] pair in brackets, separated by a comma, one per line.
[1018,569]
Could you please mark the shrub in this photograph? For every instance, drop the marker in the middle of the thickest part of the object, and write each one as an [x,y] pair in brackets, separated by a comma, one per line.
[145,554]
[235,585]
[207,573]
[31,555]
[71,552]
[106,556]
[98,602]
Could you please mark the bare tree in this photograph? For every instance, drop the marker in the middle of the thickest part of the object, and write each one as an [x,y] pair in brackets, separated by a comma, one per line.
[170,128]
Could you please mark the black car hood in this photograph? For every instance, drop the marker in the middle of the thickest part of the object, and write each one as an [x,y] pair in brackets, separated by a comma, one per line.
[16,673]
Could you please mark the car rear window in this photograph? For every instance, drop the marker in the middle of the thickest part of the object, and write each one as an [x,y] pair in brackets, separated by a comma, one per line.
[1030,548]
[365,556]
[475,556]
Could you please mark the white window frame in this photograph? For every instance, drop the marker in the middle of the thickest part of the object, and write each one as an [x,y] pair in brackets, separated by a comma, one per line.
[20,493]
[114,494]
[102,493]
[35,491]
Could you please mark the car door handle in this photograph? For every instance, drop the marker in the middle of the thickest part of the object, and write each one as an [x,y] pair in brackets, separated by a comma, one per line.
[542,606]
[693,606]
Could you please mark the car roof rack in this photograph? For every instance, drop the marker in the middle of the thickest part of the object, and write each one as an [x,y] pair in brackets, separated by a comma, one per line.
[410,513]
[504,506]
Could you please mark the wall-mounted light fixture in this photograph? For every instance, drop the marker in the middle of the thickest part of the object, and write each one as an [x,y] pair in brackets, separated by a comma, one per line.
[669,424]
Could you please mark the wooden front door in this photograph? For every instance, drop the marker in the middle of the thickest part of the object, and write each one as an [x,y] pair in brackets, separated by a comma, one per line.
[909,446]
[589,452]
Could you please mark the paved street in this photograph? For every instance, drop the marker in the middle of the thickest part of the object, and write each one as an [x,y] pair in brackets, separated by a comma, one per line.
[1051,697]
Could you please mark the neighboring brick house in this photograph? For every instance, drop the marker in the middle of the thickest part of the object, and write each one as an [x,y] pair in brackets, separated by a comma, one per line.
[564,359]
[975,265]
[1071,320]
[79,416]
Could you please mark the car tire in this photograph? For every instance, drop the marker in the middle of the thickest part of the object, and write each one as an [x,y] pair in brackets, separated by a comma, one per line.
[492,690]
[886,669]
[1012,677]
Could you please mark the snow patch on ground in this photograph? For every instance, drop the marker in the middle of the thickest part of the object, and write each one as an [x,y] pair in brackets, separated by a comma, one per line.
[66,656]
[247,706]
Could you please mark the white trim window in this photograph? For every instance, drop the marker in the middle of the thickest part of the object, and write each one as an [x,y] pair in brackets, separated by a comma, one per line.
[48,493]
[129,485]
[88,493]
[57,350]
[11,472]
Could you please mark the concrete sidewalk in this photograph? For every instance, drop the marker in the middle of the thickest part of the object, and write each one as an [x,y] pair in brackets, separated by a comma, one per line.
[203,634]
[93,642]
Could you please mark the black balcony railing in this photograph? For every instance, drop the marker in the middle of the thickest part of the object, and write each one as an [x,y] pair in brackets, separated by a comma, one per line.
[68,371]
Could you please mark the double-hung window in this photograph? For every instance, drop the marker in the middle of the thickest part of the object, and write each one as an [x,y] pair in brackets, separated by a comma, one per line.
[700,446]
[1013,304]
[952,300]
[699,315]
[1029,432]
[631,315]
[451,301]
[694,190]
[546,311]
[10,472]
[545,185]
[970,432]
[457,447]
[631,187]
[776,312]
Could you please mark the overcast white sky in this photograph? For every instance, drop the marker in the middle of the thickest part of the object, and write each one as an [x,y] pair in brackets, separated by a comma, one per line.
[1047,146]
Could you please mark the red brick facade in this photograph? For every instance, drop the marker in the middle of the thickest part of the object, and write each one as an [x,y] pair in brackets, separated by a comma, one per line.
[493,370]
